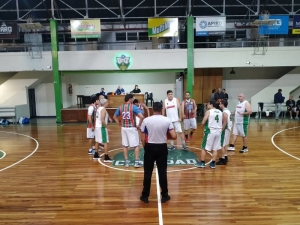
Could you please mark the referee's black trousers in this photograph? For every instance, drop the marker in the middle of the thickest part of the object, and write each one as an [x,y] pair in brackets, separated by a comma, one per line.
[155,153]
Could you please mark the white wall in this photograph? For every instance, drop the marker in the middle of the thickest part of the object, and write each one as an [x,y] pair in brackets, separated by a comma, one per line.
[21,61]
[153,59]
[88,84]
[44,97]
[287,83]
[140,59]
[237,57]
[247,87]
[14,90]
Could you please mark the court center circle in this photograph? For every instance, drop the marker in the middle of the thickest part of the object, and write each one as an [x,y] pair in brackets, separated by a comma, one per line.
[141,171]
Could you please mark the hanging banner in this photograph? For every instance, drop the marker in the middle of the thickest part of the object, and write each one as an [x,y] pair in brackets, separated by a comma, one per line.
[85,29]
[162,27]
[281,25]
[207,26]
[296,24]
[9,30]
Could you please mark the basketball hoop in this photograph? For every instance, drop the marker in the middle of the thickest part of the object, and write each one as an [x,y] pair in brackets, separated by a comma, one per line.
[32,37]
[262,32]
[265,15]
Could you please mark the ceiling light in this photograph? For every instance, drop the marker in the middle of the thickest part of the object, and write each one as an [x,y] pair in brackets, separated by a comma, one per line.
[232,71]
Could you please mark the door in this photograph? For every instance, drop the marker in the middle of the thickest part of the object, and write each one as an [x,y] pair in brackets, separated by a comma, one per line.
[32,103]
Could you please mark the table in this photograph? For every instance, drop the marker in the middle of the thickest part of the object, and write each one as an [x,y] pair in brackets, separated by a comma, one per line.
[115,101]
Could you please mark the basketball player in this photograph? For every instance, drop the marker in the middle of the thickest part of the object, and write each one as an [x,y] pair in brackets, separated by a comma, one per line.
[171,108]
[91,123]
[142,107]
[101,96]
[189,109]
[101,133]
[129,132]
[241,120]
[213,122]
[225,136]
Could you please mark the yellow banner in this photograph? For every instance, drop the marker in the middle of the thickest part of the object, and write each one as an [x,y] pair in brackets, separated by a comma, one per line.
[163,27]
[296,31]
[85,28]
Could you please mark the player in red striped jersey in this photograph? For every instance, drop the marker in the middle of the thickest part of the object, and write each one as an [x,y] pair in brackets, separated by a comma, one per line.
[189,109]
[129,128]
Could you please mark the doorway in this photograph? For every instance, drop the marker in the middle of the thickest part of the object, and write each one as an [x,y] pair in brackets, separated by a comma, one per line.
[32,103]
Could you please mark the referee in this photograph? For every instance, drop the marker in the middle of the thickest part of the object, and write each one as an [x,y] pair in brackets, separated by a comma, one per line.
[154,139]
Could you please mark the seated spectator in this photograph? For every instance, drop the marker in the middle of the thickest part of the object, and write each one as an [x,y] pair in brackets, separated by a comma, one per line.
[136,90]
[102,92]
[120,90]
[291,107]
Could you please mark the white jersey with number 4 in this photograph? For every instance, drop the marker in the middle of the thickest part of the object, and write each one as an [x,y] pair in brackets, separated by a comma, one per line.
[214,122]
[229,122]
[172,109]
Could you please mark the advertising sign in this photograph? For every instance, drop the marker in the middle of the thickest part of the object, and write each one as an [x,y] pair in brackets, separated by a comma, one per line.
[206,26]
[296,24]
[85,28]
[281,25]
[162,27]
[9,30]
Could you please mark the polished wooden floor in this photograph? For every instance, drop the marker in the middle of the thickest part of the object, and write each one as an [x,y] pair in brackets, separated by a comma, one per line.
[61,184]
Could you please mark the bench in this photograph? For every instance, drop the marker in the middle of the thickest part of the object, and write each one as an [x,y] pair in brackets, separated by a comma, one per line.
[8,112]
[269,106]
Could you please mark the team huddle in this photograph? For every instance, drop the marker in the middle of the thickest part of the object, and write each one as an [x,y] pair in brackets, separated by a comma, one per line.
[217,126]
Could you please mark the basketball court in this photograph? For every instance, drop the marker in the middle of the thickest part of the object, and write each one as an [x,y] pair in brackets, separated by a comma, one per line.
[48,178]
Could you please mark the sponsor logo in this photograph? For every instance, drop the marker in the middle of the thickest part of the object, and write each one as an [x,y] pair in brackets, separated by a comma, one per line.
[161,28]
[210,24]
[175,158]
[4,29]
[278,22]
[171,106]
[123,62]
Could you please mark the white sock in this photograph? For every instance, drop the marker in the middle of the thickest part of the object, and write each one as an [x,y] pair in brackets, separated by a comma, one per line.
[172,143]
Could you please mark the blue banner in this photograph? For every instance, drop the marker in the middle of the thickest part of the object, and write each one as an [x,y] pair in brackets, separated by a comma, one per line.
[281,26]
[296,24]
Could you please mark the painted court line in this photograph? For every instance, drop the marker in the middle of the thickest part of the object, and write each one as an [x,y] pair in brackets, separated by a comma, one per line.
[4,154]
[37,146]
[272,139]
[160,218]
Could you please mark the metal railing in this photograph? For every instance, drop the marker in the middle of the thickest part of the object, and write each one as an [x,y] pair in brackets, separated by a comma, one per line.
[94,46]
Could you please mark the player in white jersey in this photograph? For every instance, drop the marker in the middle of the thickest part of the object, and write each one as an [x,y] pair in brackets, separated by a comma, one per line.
[101,132]
[241,120]
[214,124]
[171,108]
[225,136]
[91,123]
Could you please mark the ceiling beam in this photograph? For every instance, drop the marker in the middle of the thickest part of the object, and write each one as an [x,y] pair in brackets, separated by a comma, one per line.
[122,13]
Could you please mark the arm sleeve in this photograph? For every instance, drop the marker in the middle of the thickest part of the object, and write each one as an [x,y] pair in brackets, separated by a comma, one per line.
[143,126]
[136,110]
[90,110]
[117,113]
[171,127]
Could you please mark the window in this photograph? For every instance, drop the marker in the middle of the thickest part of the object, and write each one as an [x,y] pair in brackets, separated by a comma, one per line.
[143,36]
[132,36]
[120,36]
